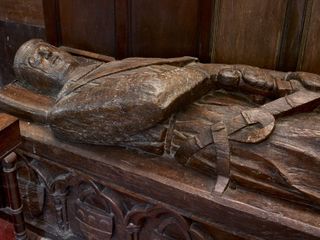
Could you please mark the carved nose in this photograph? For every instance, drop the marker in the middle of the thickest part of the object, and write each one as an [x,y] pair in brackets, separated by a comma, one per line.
[45,54]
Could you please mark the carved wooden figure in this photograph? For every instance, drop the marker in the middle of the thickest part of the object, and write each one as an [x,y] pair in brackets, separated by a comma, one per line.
[257,127]
[207,116]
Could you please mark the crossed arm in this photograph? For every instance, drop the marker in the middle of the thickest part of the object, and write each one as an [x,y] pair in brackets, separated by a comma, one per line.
[285,93]
[266,83]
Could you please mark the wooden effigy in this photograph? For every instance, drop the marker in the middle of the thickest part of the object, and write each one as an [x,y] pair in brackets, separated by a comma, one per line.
[165,148]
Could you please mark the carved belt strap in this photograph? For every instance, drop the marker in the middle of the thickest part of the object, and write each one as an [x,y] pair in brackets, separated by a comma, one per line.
[221,143]
[291,102]
[222,132]
[237,127]
[237,130]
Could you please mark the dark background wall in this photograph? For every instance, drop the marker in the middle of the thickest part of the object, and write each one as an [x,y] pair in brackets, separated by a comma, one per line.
[277,34]
[20,20]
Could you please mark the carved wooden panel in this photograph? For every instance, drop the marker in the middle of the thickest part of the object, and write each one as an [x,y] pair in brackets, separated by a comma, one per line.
[248,31]
[164,33]
[86,22]
[131,28]
[273,34]
[72,169]
[70,204]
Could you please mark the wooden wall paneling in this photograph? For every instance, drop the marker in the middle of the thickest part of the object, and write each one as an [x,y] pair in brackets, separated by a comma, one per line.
[22,11]
[164,28]
[122,19]
[52,21]
[248,31]
[270,34]
[309,59]
[292,35]
[205,20]
[125,28]
[88,25]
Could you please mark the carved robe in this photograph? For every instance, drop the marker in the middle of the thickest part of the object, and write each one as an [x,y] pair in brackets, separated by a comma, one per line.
[229,132]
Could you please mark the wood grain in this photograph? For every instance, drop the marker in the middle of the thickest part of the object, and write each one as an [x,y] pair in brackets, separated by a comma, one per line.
[310,54]
[205,27]
[22,11]
[248,32]
[292,35]
[271,34]
[156,180]
[173,31]
[52,21]
[122,28]
[88,25]
[9,134]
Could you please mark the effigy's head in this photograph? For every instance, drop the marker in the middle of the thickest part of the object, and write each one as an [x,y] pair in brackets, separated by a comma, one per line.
[42,67]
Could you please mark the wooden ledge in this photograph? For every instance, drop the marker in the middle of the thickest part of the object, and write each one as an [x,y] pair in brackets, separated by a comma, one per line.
[9,134]
[25,104]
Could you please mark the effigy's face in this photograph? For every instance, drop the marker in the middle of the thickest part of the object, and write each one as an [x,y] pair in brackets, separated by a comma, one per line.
[50,60]
[42,67]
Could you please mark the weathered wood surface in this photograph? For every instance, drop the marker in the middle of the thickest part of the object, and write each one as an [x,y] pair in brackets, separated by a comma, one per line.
[35,105]
[247,129]
[210,117]
[159,181]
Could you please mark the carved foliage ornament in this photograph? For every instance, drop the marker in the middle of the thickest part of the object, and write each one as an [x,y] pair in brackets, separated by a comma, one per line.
[114,220]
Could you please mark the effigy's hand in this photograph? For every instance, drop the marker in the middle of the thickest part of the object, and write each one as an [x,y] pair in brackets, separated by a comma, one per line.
[304,80]
[253,81]
[258,82]
[266,83]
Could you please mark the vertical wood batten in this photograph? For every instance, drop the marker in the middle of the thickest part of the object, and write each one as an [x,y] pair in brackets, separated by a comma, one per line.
[122,31]
[51,14]
[292,35]
[204,26]
[309,58]
[214,28]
